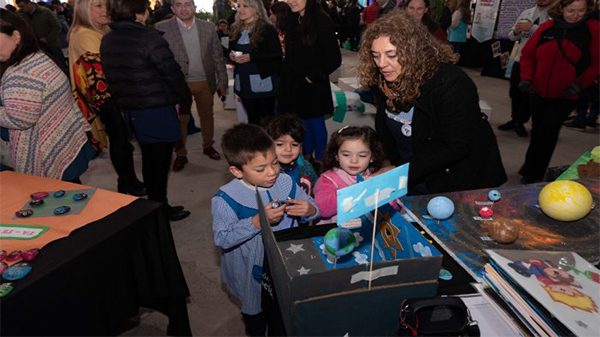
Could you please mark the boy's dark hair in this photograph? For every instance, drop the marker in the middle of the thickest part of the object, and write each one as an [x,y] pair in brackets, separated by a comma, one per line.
[286,124]
[125,10]
[366,134]
[242,142]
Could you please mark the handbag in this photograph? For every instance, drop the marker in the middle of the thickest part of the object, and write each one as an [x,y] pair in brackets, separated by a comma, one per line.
[441,316]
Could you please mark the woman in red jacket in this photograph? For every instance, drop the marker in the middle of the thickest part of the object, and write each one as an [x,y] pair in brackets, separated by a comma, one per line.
[558,62]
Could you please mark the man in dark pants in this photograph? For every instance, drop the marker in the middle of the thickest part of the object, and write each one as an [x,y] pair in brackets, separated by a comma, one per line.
[527,23]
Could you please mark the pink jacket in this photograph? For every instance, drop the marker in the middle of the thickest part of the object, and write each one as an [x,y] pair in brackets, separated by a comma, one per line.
[326,192]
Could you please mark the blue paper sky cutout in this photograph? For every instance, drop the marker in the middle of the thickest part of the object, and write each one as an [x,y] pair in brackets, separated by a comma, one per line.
[358,199]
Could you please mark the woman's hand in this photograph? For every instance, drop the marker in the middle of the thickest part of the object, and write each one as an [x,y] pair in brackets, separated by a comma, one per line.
[244,58]
[300,208]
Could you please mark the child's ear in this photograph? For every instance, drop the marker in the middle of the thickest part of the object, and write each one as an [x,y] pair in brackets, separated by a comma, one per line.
[236,172]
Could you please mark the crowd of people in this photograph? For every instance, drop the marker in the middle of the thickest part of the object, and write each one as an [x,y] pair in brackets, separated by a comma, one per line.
[133,73]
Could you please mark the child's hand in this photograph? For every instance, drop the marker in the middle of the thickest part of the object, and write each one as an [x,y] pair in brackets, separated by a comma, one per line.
[274,215]
[300,208]
[382,170]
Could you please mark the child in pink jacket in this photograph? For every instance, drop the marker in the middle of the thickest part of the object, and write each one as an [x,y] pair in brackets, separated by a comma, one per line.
[352,150]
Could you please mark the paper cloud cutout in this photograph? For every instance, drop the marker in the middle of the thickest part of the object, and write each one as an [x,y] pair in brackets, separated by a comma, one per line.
[383,194]
[421,249]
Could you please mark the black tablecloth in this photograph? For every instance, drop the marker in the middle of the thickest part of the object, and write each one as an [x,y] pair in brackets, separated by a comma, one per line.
[97,277]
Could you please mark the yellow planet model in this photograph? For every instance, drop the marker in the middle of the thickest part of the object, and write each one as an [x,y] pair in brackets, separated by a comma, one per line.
[565,200]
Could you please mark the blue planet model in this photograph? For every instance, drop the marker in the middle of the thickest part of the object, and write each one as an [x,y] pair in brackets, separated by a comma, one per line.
[440,208]
[494,195]
[339,241]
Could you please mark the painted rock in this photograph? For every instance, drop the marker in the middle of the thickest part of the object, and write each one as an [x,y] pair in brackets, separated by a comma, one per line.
[79,196]
[61,210]
[17,271]
[59,194]
[494,195]
[486,212]
[39,195]
[13,256]
[24,213]
[29,255]
[440,208]
[504,232]
[36,202]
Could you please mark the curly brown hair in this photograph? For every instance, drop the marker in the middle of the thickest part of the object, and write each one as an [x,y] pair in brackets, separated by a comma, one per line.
[419,54]
[364,133]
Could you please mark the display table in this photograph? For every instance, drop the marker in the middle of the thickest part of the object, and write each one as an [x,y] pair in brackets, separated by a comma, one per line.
[465,236]
[91,281]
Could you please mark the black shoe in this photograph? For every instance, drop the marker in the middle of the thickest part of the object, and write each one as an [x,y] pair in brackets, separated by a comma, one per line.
[527,180]
[507,126]
[520,130]
[575,125]
[176,214]
[175,208]
[135,191]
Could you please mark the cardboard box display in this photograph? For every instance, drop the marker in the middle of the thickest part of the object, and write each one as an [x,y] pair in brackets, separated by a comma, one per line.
[317,297]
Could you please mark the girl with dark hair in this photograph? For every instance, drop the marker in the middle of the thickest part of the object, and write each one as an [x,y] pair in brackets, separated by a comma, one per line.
[147,83]
[352,150]
[558,62]
[428,113]
[312,54]
[38,116]
[256,51]
[280,12]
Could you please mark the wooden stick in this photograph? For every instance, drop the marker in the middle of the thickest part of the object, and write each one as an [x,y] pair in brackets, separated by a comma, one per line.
[373,239]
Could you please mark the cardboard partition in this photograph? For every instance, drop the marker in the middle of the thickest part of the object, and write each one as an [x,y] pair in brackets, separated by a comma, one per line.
[318,298]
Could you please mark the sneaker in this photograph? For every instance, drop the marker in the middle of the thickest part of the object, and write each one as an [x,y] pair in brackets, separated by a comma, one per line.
[591,128]
[520,130]
[507,126]
[575,125]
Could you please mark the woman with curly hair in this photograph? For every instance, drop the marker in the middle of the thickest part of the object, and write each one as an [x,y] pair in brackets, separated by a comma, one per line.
[90,23]
[428,112]
[256,51]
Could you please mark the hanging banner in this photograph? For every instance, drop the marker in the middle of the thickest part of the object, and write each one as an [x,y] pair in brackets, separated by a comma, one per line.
[508,14]
[485,20]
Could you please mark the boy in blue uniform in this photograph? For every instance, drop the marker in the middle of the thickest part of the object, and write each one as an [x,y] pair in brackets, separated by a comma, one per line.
[287,132]
[250,153]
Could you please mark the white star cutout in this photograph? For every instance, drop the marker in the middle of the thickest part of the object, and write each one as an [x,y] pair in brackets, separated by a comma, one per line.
[303,271]
[295,248]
